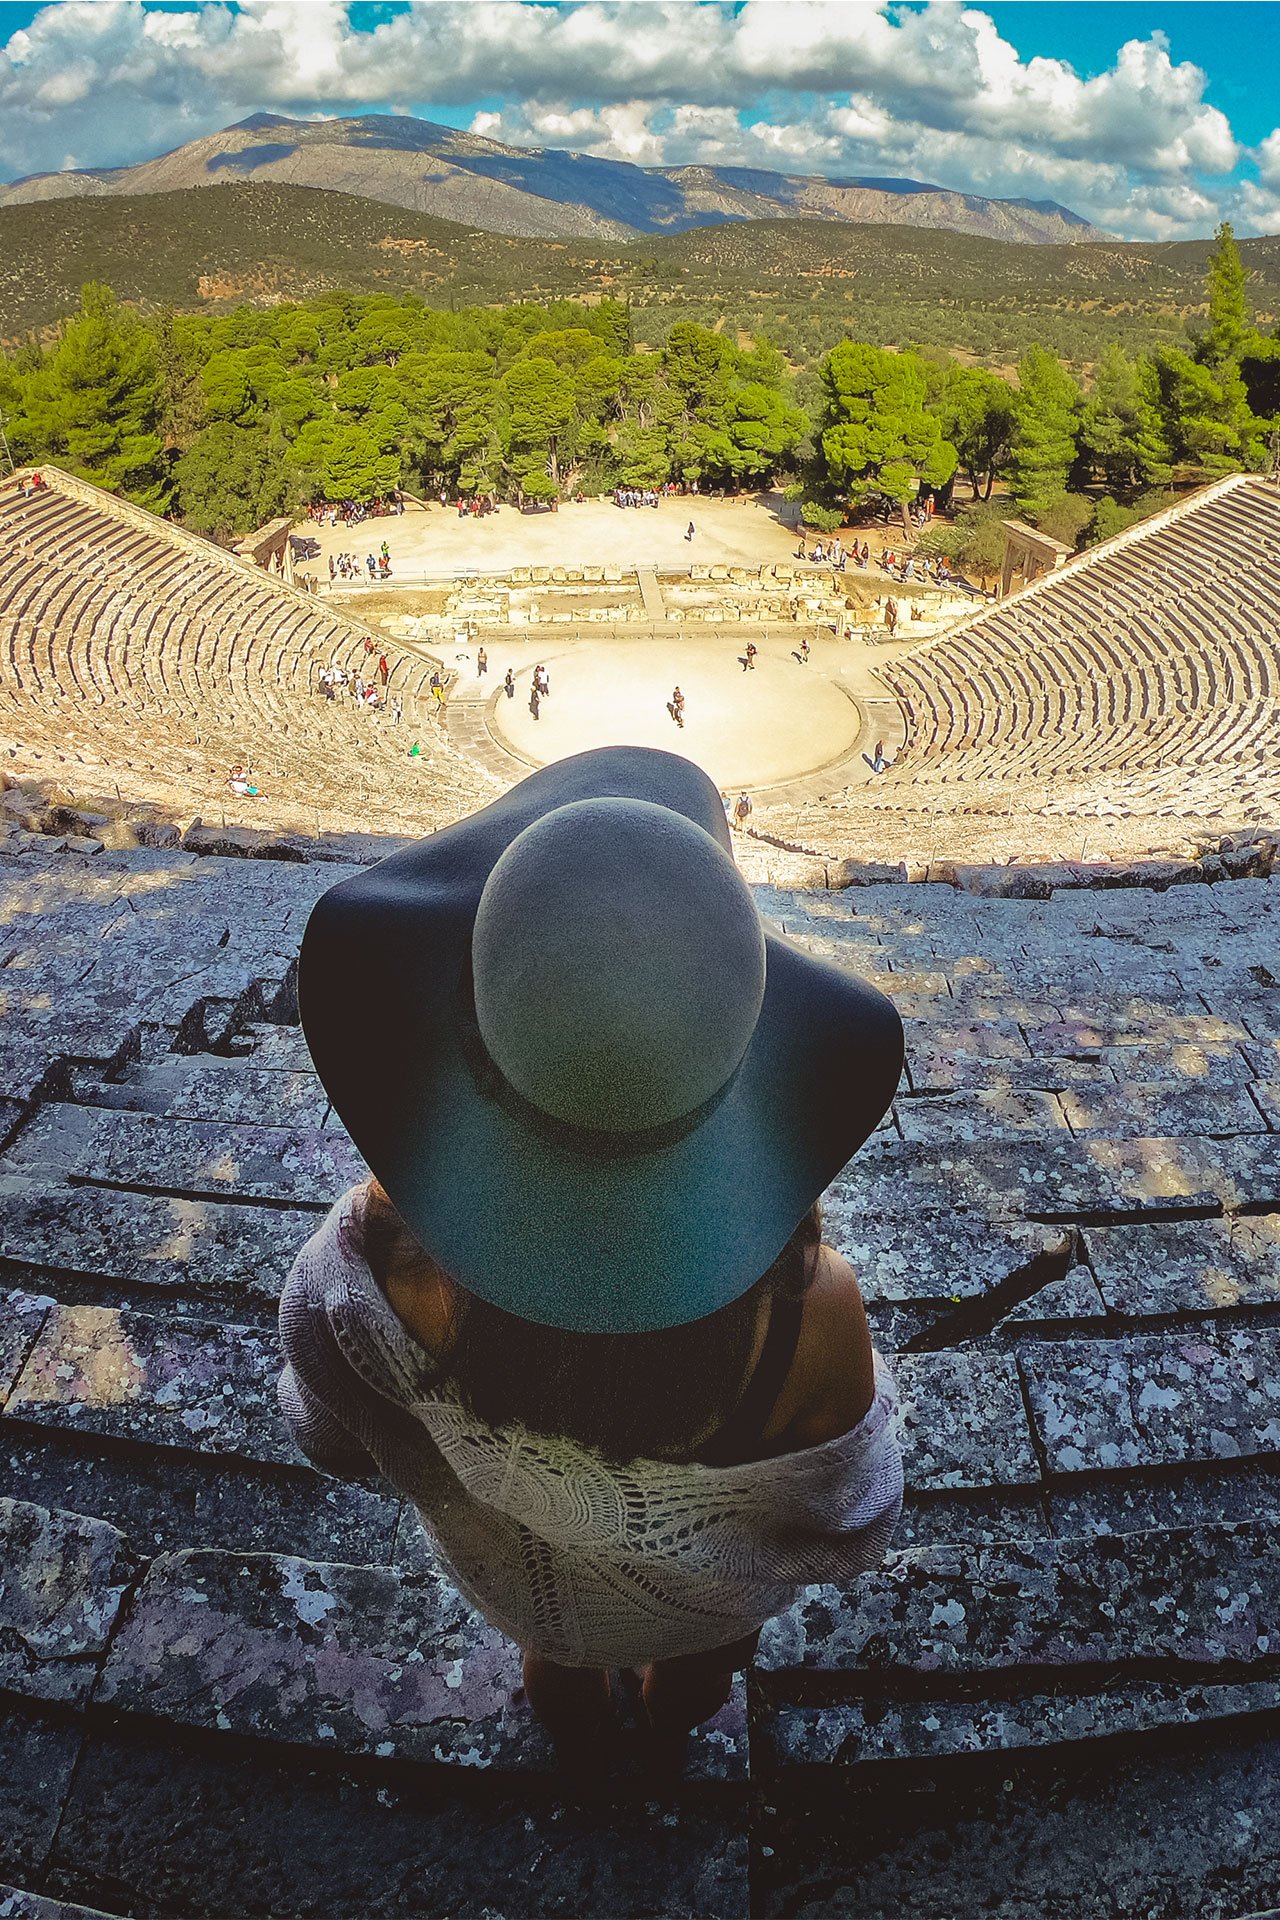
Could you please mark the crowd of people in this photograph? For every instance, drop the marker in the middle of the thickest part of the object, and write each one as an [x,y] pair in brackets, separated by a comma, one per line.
[349,513]
[368,688]
[345,566]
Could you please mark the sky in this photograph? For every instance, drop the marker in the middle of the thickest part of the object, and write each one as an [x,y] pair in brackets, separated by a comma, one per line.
[1156,121]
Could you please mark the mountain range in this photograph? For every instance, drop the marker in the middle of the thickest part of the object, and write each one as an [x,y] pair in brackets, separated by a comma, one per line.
[542,193]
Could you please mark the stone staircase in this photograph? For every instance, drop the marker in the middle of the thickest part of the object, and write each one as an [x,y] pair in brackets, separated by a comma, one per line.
[229,1685]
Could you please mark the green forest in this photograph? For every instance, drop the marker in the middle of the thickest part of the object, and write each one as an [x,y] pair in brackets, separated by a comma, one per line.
[226,420]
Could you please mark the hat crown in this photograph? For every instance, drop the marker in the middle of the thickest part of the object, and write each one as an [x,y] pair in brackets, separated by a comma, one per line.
[618,964]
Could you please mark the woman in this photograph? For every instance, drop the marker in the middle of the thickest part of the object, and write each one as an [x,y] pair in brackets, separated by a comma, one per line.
[582,1316]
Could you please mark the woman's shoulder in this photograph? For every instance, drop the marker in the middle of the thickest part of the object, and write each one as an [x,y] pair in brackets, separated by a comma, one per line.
[831,1382]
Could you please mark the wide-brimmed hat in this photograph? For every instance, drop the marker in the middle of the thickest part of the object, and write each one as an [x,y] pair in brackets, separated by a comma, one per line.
[599,1093]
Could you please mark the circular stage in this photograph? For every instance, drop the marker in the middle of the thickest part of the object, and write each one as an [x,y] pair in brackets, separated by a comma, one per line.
[746,729]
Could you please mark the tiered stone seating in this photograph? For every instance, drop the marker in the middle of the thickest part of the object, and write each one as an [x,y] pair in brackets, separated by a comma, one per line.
[1143,679]
[229,1685]
[139,658]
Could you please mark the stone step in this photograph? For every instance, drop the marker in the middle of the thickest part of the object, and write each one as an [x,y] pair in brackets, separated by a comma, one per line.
[1152,1400]
[301,1167]
[16,1905]
[131,1376]
[235,1093]
[177,1827]
[163,1499]
[1201,1266]
[1066,1179]
[192,1248]
[854,1733]
[1178,1824]
[1203,1602]
[363,1661]
[63,1579]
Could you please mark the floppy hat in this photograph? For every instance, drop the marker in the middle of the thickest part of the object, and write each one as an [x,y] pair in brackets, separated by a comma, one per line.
[599,1093]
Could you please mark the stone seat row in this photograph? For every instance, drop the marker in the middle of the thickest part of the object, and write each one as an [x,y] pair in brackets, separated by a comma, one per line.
[107,675]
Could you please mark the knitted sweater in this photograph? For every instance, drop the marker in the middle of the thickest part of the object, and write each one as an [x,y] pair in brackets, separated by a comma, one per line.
[574,1556]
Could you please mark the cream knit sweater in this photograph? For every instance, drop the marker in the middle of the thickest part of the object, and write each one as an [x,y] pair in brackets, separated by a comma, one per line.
[573,1556]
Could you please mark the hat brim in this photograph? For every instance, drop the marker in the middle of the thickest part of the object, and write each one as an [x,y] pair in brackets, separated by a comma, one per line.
[604,1242]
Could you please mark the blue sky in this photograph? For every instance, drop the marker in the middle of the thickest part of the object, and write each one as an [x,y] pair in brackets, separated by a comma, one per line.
[1155,121]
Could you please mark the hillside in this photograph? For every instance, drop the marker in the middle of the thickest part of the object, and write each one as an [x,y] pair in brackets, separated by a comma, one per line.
[545,193]
[806,282]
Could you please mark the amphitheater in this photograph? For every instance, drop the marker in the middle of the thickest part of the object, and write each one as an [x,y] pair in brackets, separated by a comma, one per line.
[230,1686]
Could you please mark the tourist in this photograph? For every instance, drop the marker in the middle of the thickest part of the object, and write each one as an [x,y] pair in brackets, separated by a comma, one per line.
[240,781]
[804,650]
[742,811]
[878,761]
[384,671]
[542,681]
[509,685]
[482,663]
[689,531]
[415,752]
[436,684]
[891,616]
[535,700]
[636,1407]
[397,711]
[749,658]
[677,707]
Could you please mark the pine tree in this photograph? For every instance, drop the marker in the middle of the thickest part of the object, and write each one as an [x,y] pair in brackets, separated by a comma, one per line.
[96,401]
[1044,446]
[877,435]
[1121,426]
[1228,326]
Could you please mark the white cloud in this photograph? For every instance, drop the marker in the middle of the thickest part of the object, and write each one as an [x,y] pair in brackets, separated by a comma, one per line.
[849,87]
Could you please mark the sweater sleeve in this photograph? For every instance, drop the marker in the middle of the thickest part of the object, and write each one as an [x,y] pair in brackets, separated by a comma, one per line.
[311,1391]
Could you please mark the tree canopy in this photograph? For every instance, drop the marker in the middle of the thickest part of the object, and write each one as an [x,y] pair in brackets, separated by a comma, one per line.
[226,419]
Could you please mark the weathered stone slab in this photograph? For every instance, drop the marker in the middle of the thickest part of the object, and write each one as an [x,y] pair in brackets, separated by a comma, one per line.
[1061,1179]
[963,1421]
[1039,1074]
[1194,1496]
[1154,1400]
[933,1047]
[37,1761]
[1201,1266]
[278,1047]
[1179,1064]
[1164,1111]
[910,1257]
[1074,1297]
[275,1836]
[855,1734]
[1098,1025]
[1258,1012]
[149,1240]
[25,1059]
[21,1317]
[15,1905]
[132,1376]
[298,1166]
[1162,1827]
[978,1517]
[1267,1095]
[162,1499]
[234,1093]
[993,1114]
[365,1660]
[1209,1597]
[62,1579]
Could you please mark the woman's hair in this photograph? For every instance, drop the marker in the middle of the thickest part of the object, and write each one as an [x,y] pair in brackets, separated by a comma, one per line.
[655,1395]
